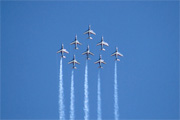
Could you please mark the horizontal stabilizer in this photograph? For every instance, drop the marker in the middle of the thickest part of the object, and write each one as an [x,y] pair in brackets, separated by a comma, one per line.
[63,56]
[102,49]
[74,67]
[100,67]
[117,59]
[90,38]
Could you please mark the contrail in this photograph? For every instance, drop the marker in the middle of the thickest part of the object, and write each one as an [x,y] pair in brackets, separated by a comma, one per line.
[99,97]
[86,98]
[61,94]
[72,97]
[116,114]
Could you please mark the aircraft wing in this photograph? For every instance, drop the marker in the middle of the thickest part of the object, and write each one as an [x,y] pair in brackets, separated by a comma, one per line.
[64,50]
[79,43]
[113,54]
[105,43]
[59,51]
[74,42]
[97,62]
[77,62]
[119,54]
[86,32]
[99,43]
[92,32]
[70,62]
[91,53]
[84,53]
[103,62]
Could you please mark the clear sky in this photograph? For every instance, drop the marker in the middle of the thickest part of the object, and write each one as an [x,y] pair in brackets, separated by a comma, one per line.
[147,34]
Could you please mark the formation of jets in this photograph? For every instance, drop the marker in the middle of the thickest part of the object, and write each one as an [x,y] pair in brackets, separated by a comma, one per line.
[88,52]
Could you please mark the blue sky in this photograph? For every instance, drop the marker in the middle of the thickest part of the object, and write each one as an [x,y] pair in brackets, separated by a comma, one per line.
[147,34]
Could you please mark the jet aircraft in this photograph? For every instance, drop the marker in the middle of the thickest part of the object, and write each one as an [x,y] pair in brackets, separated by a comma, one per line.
[76,42]
[116,54]
[74,61]
[100,61]
[87,52]
[62,51]
[102,43]
[89,32]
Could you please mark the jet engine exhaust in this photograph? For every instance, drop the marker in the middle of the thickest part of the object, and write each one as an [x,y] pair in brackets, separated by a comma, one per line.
[86,98]
[99,97]
[61,94]
[72,97]
[116,114]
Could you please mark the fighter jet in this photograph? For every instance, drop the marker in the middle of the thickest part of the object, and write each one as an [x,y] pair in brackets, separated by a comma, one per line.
[76,42]
[102,43]
[87,52]
[100,61]
[74,61]
[62,51]
[89,31]
[116,54]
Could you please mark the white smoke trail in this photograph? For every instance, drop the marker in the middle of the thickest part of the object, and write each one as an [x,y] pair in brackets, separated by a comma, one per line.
[72,97]
[86,98]
[99,97]
[61,94]
[116,114]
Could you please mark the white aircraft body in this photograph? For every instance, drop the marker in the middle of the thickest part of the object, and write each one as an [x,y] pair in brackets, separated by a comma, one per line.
[74,61]
[100,61]
[89,32]
[76,42]
[116,54]
[62,51]
[102,43]
[87,52]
